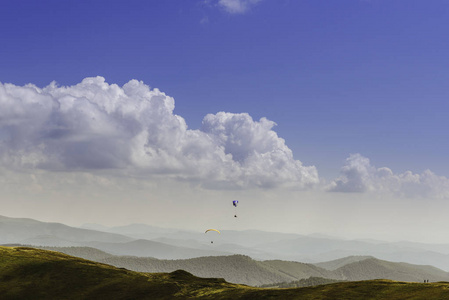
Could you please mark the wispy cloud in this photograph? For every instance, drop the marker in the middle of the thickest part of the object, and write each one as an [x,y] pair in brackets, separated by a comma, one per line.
[358,175]
[237,6]
[97,126]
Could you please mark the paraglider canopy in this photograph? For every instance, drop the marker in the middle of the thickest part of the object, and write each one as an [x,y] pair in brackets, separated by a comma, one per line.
[212,230]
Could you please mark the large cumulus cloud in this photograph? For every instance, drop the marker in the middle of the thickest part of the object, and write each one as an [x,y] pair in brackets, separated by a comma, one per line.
[132,129]
[358,175]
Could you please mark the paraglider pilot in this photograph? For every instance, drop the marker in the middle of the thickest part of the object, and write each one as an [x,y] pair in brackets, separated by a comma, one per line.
[235,202]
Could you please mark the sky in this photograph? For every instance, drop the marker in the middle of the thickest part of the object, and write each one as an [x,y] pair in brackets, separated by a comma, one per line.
[318,116]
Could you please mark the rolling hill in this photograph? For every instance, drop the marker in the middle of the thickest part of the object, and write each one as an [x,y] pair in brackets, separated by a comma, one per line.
[337,263]
[27,273]
[373,268]
[234,268]
[244,270]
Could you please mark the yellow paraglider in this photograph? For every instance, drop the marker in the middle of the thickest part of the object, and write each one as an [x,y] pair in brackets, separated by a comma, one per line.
[212,230]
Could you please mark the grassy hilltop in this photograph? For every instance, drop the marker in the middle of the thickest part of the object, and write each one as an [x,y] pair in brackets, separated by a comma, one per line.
[28,273]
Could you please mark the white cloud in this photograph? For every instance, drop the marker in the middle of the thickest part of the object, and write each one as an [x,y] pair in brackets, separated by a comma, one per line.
[237,6]
[358,175]
[262,157]
[131,130]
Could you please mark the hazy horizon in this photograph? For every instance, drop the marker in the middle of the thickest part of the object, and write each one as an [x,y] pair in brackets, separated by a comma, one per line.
[318,117]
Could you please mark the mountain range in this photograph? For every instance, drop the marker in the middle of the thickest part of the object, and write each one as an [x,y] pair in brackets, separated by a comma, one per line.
[163,243]
[315,248]
[245,270]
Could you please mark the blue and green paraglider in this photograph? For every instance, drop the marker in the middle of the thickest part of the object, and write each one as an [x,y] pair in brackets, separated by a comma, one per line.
[235,203]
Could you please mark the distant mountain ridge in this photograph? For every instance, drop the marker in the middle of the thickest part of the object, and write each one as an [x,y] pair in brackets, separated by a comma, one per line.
[243,269]
[373,268]
[257,244]
[22,230]
[338,263]
[146,248]
[286,246]
[31,232]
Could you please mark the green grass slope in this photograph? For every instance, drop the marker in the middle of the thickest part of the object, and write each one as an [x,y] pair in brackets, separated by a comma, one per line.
[27,273]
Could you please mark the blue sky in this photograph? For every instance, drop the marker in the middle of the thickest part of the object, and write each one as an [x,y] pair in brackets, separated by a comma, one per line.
[337,77]
[340,77]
